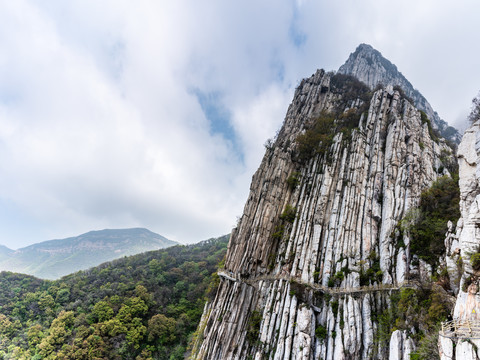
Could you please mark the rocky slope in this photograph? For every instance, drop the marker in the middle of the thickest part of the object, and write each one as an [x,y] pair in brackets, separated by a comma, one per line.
[464,247]
[369,66]
[55,258]
[315,256]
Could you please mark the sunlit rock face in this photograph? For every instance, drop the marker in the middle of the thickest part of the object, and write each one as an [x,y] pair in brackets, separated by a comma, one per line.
[465,244]
[368,65]
[297,287]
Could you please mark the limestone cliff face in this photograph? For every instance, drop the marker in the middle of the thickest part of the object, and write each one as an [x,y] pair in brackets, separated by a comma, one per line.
[315,255]
[368,65]
[464,244]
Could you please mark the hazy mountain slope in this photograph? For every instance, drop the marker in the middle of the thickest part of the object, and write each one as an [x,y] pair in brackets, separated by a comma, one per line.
[5,252]
[369,66]
[55,258]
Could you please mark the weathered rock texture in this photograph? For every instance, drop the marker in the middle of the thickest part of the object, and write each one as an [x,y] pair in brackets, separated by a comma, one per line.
[292,288]
[464,244]
[368,65]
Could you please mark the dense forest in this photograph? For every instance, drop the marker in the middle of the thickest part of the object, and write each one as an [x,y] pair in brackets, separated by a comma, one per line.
[145,306]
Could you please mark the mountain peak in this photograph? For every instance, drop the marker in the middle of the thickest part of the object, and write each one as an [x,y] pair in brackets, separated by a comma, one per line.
[369,66]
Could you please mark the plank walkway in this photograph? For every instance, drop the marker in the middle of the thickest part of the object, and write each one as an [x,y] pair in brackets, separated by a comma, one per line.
[454,329]
[461,329]
[316,287]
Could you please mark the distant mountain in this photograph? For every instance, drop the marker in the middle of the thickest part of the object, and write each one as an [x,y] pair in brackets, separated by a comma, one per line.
[369,66]
[5,252]
[55,258]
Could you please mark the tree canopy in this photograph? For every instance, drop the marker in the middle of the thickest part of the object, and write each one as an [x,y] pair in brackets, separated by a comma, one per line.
[140,307]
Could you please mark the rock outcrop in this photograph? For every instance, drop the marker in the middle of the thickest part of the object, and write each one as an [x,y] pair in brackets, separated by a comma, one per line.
[464,245]
[315,256]
[368,65]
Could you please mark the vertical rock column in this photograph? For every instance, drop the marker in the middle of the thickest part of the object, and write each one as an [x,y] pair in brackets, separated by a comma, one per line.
[304,288]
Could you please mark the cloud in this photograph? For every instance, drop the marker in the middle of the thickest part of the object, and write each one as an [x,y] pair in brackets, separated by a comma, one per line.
[100,126]
[154,114]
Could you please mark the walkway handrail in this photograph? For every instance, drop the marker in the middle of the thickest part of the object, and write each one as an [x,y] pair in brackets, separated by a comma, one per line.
[332,290]
[461,329]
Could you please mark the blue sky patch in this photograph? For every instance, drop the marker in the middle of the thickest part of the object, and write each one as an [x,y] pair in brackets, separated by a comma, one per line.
[219,118]
[216,113]
[296,35]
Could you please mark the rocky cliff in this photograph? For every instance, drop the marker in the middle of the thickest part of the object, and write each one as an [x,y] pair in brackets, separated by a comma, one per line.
[463,255]
[316,255]
[368,65]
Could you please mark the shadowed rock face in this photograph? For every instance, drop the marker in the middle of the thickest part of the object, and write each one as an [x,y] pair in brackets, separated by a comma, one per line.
[369,66]
[347,200]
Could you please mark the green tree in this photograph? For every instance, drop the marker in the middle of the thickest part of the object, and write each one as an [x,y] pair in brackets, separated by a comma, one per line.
[136,333]
[161,329]
[102,311]
[34,335]
[59,332]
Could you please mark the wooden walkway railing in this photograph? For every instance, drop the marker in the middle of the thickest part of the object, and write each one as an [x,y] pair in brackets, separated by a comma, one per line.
[454,329]
[461,329]
[331,290]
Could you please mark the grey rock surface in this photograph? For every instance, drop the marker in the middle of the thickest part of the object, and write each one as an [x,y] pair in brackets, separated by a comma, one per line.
[463,245]
[299,290]
[368,65]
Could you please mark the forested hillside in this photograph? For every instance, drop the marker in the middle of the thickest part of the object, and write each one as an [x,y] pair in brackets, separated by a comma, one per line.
[140,307]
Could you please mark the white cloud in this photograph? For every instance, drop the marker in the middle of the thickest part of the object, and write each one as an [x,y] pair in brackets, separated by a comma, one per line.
[100,125]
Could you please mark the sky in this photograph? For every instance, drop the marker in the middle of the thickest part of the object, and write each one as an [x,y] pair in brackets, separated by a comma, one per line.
[119,114]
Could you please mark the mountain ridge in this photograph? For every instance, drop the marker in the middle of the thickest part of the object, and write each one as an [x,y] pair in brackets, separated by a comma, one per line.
[52,259]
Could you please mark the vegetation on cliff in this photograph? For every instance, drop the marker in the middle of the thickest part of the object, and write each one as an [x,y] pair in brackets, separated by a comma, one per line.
[138,307]
[419,312]
[318,136]
[438,205]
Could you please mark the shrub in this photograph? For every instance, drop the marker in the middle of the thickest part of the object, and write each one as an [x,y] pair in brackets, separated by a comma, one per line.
[321,332]
[468,281]
[278,232]
[334,305]
[317,139]
[350,87]
[288,214]
[253,326]
[373,273]
[293,180]
[434,134]
[475,261]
